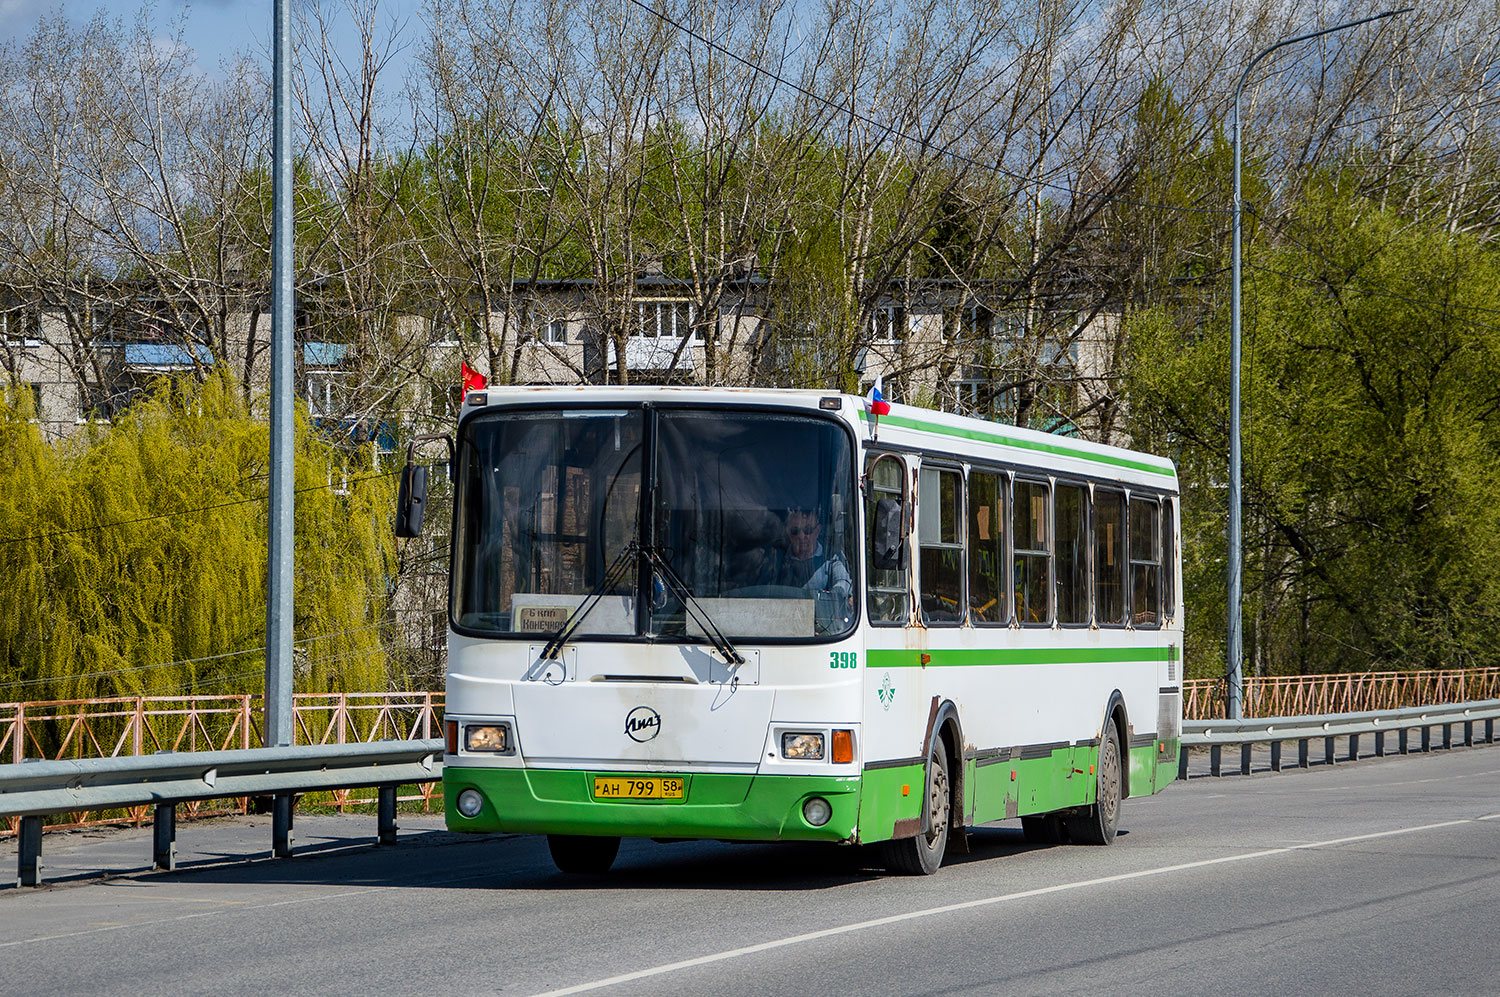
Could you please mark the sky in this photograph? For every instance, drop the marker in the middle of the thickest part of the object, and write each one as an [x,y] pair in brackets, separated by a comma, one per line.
[214,28]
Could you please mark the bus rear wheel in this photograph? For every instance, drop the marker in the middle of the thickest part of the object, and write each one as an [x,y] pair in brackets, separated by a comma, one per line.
[582,853]
[1095,825]
[923,855]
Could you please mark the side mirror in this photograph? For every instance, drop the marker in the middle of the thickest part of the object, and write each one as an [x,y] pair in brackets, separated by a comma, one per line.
[411,500]
[411,495]
[886,548]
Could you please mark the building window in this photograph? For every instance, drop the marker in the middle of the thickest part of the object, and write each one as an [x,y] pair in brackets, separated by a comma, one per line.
[888,324]
[665,319]
[553,331]
[971,324]
[328,394]
[22,394]
[19,327]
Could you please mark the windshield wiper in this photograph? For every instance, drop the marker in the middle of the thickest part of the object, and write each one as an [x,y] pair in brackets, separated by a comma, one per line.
[690,604]
[611,577]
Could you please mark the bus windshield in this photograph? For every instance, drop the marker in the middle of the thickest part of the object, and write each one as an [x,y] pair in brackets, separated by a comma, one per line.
[749,512]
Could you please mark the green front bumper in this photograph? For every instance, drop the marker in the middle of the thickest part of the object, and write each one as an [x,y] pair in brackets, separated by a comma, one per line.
[731,807]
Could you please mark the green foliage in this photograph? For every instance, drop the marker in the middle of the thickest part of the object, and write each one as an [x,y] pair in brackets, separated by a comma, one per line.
[135,554]
[1371,444]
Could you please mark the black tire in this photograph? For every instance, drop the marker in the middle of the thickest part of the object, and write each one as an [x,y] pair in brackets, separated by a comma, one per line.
[1095,825]
[1044,829]
[583,854]
[923,855]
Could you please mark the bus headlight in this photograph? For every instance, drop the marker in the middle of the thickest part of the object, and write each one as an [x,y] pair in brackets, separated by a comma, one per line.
[801,745]
[470,803]
[487,737]
[817,811]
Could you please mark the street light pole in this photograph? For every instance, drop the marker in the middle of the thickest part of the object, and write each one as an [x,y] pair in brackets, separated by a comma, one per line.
[1236,644]
[278,698]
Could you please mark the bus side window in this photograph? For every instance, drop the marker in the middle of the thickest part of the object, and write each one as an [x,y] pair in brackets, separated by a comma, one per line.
[885,560]
[939,520]
[1145,562]
[1109,557]
[1072,513]
[987,591]
[1031,533]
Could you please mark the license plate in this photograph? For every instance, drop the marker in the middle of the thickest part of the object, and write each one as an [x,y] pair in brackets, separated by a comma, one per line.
[643,787]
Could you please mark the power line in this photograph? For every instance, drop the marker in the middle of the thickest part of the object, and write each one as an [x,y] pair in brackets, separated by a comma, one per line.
[1366,286]
[1023,180]
[187,512]
[1378,292]
[133,669]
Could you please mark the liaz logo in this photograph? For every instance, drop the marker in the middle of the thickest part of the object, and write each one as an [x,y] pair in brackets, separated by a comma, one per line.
[642,723]
[886,692]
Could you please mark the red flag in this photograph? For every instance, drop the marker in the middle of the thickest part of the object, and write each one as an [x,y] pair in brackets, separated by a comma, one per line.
[473,380]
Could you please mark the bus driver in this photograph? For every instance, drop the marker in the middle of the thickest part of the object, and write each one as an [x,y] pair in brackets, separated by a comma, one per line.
[803,563]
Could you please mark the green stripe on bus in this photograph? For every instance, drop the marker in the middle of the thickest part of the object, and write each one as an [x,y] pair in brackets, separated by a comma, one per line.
[982,436]
[964,657]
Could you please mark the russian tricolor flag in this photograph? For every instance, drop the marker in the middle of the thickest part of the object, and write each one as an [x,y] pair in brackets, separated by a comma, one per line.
[876,398]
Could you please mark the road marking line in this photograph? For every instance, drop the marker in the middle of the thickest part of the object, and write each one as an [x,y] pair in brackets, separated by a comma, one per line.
[878,922]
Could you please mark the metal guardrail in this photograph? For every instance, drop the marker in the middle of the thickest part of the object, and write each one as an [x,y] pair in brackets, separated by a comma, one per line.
[1275,731]
[32,789]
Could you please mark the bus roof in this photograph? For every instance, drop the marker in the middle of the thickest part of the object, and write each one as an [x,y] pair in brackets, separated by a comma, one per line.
[906,426]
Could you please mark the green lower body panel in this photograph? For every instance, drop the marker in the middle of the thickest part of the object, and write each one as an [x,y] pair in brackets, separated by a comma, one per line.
[731,807]
[1153,766]
[890,802]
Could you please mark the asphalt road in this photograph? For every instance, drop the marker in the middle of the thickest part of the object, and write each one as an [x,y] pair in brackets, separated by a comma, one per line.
[1381,876]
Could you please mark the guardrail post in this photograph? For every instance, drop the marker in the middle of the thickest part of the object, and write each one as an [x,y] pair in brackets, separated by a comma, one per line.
[1402,746]
[30,841]
[281,825]
[1447,736]
[1380,744]
[1426,738]
[1213,759]
[1275,756]
[385,807]
[164,837]
[1354,747]
[1489,731]
[1468,733]
[1182,761]
[1302,753]
[1327,751]
[1245,758]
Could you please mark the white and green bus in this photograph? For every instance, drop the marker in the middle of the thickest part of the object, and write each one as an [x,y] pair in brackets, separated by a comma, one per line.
[765,615]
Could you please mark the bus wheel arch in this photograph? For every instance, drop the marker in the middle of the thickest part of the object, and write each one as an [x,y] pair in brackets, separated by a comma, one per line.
[945,730]
[1115,713]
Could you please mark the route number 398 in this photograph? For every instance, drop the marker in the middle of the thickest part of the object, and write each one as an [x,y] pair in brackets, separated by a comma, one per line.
[843,659]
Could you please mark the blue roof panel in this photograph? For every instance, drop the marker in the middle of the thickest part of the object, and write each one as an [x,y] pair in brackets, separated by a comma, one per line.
[157,356]
[324,354]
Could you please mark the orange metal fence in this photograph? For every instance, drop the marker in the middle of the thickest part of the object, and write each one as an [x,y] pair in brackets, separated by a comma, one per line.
[103,728]
[1306,695]
[143,725]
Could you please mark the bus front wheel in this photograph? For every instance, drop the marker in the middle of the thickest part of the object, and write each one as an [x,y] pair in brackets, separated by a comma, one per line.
[582,853]
[1095,825]
[922,855]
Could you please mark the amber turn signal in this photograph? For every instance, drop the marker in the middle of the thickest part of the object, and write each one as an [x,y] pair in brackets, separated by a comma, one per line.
[450,737]
[843,746]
